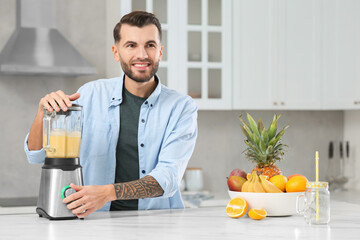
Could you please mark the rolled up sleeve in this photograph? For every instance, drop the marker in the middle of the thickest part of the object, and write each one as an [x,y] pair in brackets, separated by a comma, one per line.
[34,156]
[176,150]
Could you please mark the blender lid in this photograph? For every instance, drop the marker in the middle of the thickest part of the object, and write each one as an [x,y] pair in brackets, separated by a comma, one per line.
[74,107]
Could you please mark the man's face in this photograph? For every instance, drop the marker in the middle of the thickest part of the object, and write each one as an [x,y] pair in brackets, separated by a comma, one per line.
[139,51]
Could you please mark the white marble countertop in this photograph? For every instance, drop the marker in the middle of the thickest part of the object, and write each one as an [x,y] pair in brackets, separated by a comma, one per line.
[190,223]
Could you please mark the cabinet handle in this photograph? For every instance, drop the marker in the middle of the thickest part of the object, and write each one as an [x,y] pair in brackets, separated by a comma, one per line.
[356,102]
[282,103]
[275,103]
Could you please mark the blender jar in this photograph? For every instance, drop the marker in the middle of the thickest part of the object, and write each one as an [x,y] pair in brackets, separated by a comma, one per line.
[62,132]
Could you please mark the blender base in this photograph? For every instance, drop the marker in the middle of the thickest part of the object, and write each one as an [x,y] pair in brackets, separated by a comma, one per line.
[42,213]
[56,175]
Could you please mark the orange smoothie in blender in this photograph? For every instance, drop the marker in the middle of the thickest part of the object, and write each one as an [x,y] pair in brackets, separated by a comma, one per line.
[73,144]
[62,145]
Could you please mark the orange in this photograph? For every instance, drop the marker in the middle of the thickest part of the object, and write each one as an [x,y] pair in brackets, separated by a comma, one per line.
[279,181]
[257,214]
[291,176]
[236,207]
[296,184]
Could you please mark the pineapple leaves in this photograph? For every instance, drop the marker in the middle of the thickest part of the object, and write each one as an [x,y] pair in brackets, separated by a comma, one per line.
[252,147]
[264,135]
[269,149]
[253,125]
[264,146]
[273,126]
[243,122]
[248,131]
[245,132]
[260,125]
[280,134]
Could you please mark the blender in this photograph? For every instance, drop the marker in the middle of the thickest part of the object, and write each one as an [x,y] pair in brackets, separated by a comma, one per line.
[61,142]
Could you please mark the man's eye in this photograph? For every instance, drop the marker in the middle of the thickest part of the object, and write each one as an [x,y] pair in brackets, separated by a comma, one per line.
[151,45]
[130,45]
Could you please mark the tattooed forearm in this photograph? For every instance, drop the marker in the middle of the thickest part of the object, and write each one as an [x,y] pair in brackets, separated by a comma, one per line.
[145,187]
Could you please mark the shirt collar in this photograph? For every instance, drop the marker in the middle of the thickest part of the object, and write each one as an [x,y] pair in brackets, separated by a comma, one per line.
[116,97]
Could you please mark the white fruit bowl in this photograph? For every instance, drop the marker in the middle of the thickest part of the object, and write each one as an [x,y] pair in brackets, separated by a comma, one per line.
[275,204]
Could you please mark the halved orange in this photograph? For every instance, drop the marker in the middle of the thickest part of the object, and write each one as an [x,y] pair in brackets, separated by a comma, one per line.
[236,207]
[257,214]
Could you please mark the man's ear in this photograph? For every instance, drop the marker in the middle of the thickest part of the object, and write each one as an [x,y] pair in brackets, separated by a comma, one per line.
[115,53]
[161,52]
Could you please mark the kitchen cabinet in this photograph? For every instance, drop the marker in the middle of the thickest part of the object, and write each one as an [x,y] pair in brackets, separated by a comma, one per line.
[277,54]
[204,52]
[197,47]
[341,54]
[260,55]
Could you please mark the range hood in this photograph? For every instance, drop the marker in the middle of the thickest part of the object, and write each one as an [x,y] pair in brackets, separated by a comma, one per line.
[37,47]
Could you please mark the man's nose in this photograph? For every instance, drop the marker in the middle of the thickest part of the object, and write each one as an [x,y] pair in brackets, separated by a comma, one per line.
[141,53]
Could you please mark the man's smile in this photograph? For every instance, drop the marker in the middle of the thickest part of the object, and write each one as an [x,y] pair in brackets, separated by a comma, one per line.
[141,65]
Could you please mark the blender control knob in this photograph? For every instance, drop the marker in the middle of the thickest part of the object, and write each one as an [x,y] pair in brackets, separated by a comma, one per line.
[67,191]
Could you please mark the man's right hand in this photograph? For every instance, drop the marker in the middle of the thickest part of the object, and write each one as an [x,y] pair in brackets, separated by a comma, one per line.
[57,100]
[52,101]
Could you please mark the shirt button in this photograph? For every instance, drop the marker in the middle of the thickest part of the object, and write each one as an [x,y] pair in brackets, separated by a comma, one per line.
[143,171]
[113,98]
[146,102]
[142,120]
[142,145]
[150,105]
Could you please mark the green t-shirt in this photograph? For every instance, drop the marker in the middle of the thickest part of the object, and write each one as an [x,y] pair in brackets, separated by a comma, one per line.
[127,157]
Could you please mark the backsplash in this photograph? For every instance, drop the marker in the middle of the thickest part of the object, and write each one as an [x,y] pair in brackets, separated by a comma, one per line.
[220,144]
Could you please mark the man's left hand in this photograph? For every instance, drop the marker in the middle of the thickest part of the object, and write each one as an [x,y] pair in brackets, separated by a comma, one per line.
[88,199]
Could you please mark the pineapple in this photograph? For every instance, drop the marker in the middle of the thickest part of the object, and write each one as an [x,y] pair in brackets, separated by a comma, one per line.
[264,146]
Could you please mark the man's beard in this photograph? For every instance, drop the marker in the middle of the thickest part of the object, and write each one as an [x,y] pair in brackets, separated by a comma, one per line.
[127,70]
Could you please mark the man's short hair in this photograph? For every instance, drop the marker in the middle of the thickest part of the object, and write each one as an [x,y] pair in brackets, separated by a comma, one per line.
[137,19]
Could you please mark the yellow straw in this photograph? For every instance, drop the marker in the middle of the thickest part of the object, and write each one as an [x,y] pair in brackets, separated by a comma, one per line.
[317,180]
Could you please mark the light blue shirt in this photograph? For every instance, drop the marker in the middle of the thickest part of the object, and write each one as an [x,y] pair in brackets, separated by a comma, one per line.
[166,136]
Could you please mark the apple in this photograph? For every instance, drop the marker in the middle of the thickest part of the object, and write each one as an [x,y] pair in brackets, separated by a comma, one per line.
[294,175]
[238,172]
[235,183]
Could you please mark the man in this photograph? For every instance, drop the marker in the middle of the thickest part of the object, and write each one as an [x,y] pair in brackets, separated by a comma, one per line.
[137,135]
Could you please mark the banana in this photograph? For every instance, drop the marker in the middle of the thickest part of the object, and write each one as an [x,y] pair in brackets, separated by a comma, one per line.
[252,181]
[257,185]
[244,187]
[268,186]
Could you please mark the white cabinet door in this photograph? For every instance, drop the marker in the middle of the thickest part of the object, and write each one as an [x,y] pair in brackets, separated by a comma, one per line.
[299,47]
[342,54]
[277,54]
[253,56]
[204,52]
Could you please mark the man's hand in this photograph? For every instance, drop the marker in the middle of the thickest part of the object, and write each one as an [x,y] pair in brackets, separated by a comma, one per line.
[88,199]
[52,101]
[57,100]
